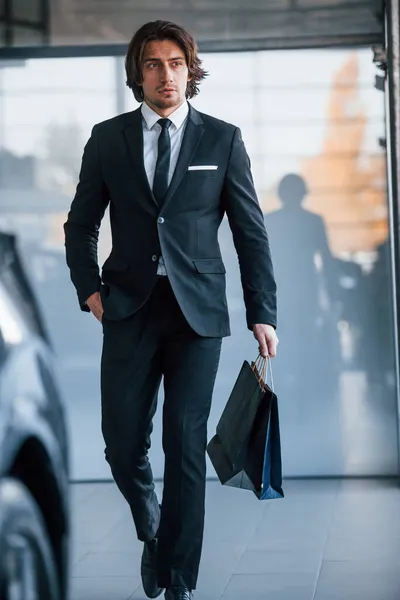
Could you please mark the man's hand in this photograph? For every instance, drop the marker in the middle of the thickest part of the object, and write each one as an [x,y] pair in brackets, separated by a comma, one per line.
[95,305]
[266,338]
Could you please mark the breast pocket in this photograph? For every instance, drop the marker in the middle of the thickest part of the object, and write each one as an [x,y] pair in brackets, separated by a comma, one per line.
[195,174]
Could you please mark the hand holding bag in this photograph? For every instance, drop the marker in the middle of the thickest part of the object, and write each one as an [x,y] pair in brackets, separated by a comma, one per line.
[246,450]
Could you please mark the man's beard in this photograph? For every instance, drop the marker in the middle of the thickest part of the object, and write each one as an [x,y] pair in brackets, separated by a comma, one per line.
[164,102]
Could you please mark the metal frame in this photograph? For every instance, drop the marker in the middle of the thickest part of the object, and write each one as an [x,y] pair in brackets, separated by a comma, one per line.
[42,25]
[7,19]
[99,50]
[393,170]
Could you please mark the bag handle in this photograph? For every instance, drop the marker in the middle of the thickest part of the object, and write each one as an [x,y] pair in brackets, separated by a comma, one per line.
[261,367]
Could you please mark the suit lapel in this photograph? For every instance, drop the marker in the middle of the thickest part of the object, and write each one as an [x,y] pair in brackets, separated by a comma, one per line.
[191,139]
[133,132]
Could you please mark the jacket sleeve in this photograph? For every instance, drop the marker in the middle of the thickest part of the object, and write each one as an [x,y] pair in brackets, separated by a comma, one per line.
[250,237]
[83,224]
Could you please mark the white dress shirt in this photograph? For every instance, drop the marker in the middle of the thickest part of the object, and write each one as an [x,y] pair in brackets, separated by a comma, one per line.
[151,131]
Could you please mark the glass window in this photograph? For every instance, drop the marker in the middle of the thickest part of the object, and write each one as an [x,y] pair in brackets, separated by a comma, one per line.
[2,34]
[27,10]
[315,114]
[26,36]
[62,75]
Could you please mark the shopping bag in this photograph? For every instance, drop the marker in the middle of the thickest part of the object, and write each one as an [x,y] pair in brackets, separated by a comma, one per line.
[246,450]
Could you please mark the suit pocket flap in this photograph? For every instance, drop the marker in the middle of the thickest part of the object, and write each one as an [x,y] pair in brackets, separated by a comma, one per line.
[209,265]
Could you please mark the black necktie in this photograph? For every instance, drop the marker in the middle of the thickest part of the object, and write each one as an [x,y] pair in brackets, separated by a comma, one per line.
[160,184]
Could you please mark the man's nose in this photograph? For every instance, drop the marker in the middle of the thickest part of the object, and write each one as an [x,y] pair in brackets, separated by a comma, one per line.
[166,74]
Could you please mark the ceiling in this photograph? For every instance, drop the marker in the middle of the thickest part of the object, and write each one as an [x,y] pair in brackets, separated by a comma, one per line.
[223,24]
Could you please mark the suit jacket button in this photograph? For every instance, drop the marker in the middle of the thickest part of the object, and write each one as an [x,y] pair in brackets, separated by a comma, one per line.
[160,220]
[154,257]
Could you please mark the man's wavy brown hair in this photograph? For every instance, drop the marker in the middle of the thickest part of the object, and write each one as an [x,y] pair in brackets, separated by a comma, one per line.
[162,30]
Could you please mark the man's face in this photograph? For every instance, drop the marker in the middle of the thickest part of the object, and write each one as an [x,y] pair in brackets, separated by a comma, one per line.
[165,76]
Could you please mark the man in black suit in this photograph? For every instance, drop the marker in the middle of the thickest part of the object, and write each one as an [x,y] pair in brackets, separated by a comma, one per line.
[169,174]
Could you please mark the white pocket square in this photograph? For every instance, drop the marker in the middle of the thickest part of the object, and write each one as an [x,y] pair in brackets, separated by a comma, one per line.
[203,168]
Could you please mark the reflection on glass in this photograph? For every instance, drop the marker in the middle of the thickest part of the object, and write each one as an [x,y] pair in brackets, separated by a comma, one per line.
[27,36]
[27,10]
[306,278]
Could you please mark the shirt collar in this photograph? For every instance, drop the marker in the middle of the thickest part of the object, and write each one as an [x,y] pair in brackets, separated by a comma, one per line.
[178,117]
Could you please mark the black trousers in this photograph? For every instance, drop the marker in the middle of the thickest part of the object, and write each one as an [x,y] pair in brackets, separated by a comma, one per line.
[157,341]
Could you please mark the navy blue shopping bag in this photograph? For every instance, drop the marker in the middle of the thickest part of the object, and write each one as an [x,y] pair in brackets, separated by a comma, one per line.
[246,450]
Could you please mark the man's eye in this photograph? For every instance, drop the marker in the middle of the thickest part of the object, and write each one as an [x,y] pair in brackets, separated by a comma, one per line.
[177,63]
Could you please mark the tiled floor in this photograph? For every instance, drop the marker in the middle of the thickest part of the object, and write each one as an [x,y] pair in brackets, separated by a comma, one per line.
[327,540]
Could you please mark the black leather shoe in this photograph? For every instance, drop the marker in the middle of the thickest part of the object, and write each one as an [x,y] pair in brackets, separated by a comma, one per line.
[149,569]
[178,593]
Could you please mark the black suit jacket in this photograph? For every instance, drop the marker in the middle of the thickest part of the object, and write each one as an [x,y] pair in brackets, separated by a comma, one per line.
[184,230]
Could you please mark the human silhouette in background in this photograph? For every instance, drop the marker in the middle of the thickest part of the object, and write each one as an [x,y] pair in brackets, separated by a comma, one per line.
[307,282]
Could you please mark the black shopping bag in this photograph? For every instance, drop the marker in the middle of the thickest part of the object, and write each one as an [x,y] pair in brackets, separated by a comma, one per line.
[246,450]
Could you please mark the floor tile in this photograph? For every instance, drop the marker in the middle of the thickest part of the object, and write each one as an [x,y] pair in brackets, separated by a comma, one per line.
[361,548]
[216,568]
[139,594]
[299,586]
[104,588]
[78,551]
[79,493]
[358,580]
[104,564]
[121,538]
[339,539]
[277,561]
[93,530]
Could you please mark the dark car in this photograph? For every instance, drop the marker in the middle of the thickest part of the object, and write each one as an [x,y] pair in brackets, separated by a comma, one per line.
[33,446]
